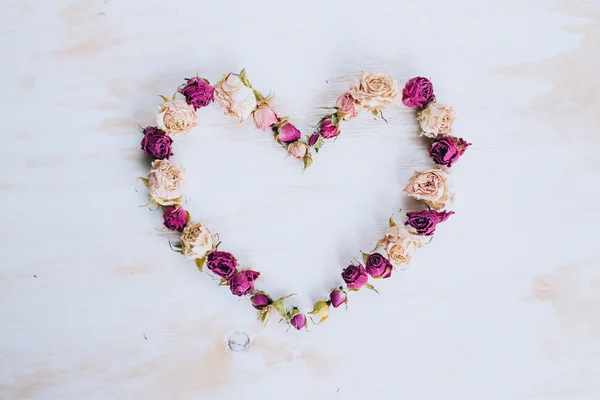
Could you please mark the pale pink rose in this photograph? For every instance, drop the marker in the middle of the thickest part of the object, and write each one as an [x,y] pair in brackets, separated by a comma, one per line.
[297,149]
[235,97]
[375,91]
[196,240]
[430,186]
[436,120]
[176,117]
[346,107]
[165,182]
[265,117]
[400,245]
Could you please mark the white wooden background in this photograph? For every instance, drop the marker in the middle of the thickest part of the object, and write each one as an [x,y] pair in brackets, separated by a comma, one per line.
[503,304]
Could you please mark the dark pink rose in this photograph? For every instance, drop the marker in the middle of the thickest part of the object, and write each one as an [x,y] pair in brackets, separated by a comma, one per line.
[288,133]
[327,129]
[198,92]
[426,221]
[298,319]
[175,218]
[446,150]
[156,143]
[222,263]
[338,297]
[242,283]
[312,140]
[355,276]
[417,92]
[260,300]
[378,266]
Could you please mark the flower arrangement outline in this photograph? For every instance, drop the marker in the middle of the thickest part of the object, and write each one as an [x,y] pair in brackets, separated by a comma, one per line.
[372,92]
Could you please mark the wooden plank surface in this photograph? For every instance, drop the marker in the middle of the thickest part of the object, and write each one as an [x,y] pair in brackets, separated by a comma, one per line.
[503,304]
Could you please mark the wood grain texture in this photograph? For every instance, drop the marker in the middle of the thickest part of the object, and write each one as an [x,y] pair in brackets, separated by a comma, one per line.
[503,304]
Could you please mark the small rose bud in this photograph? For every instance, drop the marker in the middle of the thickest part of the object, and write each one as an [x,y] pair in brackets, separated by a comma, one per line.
[320,310]
[297,319]
[264,116]
[175,218]
[313,139]
[297,149]
[338,297]
[346,107]
[260,300]
[328,129]
[288,133]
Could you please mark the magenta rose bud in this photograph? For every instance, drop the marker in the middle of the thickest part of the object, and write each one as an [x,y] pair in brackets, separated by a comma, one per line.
[425,222]
[288,133]
[378,266]
[221,263]
[417,92]
[156,143]
[447,150]
[260,300]
[327,129]
[243,282]
[175,218]
[312,140]
[198,93]
[355,276]
[298,320]
[337,297]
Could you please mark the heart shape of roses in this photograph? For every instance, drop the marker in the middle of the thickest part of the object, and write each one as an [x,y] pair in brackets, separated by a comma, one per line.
[372,92]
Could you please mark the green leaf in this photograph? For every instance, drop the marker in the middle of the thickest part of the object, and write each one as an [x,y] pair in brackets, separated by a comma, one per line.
[335,119]
[286,297]
[144,181]
[365,256]
[244,78]
[280,308]
[320,143]
[164,98]
[200,263]
[371,287]
[307,162]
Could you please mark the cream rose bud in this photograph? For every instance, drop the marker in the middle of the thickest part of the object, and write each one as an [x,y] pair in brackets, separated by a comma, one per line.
[196,240]
[165,182]
[400,245]
[430,186]
[375,91]
[176,117]
[235,97]
[435,120]
[297,149]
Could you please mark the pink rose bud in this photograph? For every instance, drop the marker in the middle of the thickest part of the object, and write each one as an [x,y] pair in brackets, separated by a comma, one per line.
[265,117]
[338,297]
[312,140]
[328,129]
[260,300]
[297,320]
[355,276]
[288,133]
[346,107]
[175,218]
[297,149]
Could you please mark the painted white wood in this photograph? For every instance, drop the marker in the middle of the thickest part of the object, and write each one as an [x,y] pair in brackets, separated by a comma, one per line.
[503,304]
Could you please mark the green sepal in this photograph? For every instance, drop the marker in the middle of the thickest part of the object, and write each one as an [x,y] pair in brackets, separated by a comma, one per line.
[307,162]
[205,80]
[144,180]
[224,282]
[244,78]
[280,308]
[200,263]
[335,120]
[259,97]
[164,98]
[371,287]
[392,223]
[319,144]
[174,96]
[365,256]
[263,315]
[375,113]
